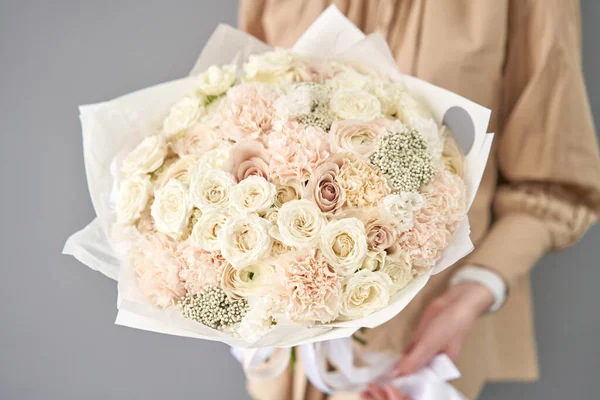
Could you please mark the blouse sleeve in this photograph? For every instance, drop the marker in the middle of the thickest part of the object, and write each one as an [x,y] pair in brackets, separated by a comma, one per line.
[549,189]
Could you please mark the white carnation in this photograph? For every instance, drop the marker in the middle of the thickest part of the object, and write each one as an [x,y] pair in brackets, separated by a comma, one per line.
[344,245]
[209,189]
[364,293]
[408,107]
[259,319]
[171,209]
[400,209]
[430,131]
[215,81]
[146,157]
[134,193]
[300,223]
[184,114]
[253,194]
[355,104]
[388,93]
[245,240]
[205,234]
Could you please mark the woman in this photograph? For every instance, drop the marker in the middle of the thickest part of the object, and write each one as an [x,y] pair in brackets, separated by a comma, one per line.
[520,58]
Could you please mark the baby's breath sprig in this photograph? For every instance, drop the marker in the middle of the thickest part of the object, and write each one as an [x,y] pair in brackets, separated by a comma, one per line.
[212,307]
[403,158]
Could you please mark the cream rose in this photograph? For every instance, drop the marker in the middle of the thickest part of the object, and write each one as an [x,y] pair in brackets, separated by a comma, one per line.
[171,209]
[210,189]
[195,141]
[374,260]
[205,234]
[344,245]
[364,293]
[184,114]
[355,104]
[357,136]
[300,223]
[399,269]
[253,194]
[146,157]
[134,193]
[292,190]
[270,67]
[400,209]
[215,81]
[253,280]
[347,78]
[215,158]
[245,240]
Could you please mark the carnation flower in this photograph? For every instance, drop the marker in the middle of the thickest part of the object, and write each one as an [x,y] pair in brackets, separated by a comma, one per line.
[248,158]
[430,132]
[253,280]
[364,185]
[445,199]
[364,293]
[195,141]
[209,189]
[292,190]
[200,268]
[311,288]
[253,194]
[216,81]
[297,101]
[400,209]
[388,93]
[146,157]
[408,107]
[260,318]
[324,190]
[171,209]
[154,263]
[296,151]
[184,114]
[344,245]
[425,242]
[355,104]
[134,193]
[359,137]
[245,240]
[270,67]
[205,234]
[300,223]
[248,111]
[399,269]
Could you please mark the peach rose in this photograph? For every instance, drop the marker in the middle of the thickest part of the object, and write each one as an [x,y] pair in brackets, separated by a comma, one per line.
[195,141]
[248,158]
[324,190]
[360,137]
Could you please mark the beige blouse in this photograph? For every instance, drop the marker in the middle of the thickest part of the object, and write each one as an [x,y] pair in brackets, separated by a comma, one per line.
[541,188]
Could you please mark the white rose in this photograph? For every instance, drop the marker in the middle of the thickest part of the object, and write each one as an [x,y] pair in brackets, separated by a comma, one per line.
[292,190]
[355,104]
[364,293]
[348,78]
[271,67]
[209,189]
[184,114]
[215,158]
[400,209]
[134,193]
[388,93]
[215,81]
[171,209]
[205,234]
[300,223]
[245,240]
[344,245]
[253,280]
[146,157]
[399,269]
[253,194]
[374,260]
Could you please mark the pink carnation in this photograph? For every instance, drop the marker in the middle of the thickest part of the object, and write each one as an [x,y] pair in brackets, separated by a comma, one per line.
[311,288]
[157,269]
[296,151]
[248,111]
[425,242]
[200,268]
[445,199]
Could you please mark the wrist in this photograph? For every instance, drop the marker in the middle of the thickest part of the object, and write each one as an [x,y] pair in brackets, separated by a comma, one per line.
[478,297]
[485,278]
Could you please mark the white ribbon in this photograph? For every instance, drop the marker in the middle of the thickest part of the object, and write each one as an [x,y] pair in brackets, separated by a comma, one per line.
[352,371]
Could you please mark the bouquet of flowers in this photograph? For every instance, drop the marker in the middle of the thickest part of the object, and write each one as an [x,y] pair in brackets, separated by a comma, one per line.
[280,197]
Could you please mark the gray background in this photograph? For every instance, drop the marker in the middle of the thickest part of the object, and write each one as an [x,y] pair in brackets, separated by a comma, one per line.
[57,338]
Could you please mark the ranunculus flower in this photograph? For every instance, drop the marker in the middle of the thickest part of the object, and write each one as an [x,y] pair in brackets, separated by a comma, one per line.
[311,287]
[248,158]
[195,141]
[209,189]
[399,269]
[184,114]
[134,193]
[146,157]
[300,223]
[324,190]
[344,245]
[245,240]
[205,234]
[355,104]
[360,137]
[200,268]
[171,209]
[271,67]
[253,280]
[292,190]
[216,81]
[253,194]
[364,293]
[374,260]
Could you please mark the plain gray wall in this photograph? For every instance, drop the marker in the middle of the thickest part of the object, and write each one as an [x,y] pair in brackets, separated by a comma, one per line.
[57,338]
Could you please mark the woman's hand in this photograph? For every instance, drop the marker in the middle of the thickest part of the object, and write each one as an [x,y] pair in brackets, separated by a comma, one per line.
[443,328]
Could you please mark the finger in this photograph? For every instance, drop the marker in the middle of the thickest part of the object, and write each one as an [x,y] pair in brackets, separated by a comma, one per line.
[454,348]
[366,395]
[376,392]
[395,394]
[431,311]
[421,354]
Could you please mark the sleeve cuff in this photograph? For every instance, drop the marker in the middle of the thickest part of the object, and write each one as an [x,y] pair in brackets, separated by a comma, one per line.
[485,277]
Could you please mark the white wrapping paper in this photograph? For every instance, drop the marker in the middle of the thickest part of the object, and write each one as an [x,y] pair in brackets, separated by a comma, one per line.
[111,129]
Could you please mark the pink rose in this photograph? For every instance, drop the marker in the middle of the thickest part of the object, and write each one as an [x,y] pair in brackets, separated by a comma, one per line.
[195,141]
[360,137]
[248,158]
[324,190]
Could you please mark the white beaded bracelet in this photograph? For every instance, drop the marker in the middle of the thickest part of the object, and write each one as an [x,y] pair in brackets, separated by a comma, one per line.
[487,278]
